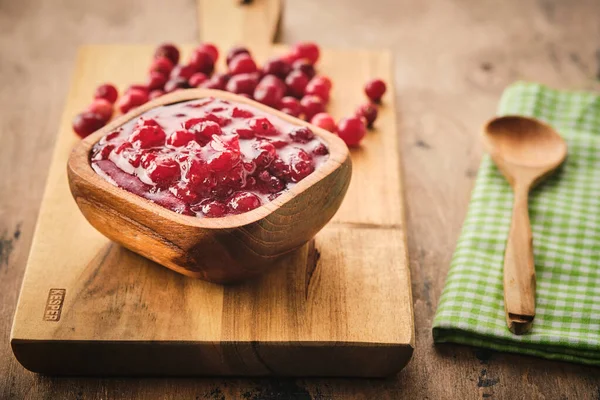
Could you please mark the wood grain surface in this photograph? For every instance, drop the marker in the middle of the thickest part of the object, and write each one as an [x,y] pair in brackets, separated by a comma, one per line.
[340,306]
[452,60]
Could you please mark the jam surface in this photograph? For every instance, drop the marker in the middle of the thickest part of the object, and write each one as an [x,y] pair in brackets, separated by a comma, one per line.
[208,157]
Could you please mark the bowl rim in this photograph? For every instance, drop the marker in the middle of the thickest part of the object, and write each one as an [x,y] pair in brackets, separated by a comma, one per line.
[80,165]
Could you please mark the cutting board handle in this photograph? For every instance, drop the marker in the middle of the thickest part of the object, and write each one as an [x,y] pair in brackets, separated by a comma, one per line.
[232,22]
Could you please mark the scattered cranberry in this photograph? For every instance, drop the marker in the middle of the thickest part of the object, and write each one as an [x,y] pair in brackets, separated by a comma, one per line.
[242,64]
[216,82]
[307,50]
[197,79]
[234,51]
[278,67]
[368,112]
[321,79]
[139,87]
[162,65]
[319,88]
[163,171]
[324,121]
[375,90]
[175,84]
[312,105]
[182,71]
[132,99]
[155,94]
[201,61]
[169,51]
[352,130]
[305,66]
[270,91]
[296,82]
[157,80]
[106,91]
[290,106]
[86,123]
[102,107]
[210,49]
[242,83]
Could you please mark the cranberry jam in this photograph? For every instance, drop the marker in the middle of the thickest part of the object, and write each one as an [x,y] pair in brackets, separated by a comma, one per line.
[208,157]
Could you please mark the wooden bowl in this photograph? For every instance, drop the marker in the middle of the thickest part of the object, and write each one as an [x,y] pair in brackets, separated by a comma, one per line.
[223,250]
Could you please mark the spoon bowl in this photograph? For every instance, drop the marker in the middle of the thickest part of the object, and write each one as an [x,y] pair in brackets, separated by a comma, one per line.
[222,250]
[525,150]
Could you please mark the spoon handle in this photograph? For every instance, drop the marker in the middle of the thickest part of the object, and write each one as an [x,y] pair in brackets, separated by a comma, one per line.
[519,267]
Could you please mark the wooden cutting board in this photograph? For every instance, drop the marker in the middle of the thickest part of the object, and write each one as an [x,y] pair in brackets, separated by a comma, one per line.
[339,306]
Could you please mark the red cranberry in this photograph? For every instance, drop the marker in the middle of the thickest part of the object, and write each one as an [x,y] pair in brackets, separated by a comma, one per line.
[157,80]
[197,79]
[296,82]
[176,83]
[213,209]
[210,49]
[301,134]
[290,106]
[265,154]
[238,112]
[202,61]
[205,130]
[277,67]
[375,89]
[242,64]
[162,65]
[169,51]
[301,164]
[321,150]
[132,99]
[319,88]
[305,66]
[147,136]
[270,91]
[235,51]
[217,81]
[243,202]
[262,126]
[138,87]
[180,138]
[163,171]
[155,94]
[324,121]
[106,91]
[321,79]
[307,50]
[311,105]
[369,112]
[86,123]
[102,107]
[182,71]
[270,183]
[242,83]
[352,130]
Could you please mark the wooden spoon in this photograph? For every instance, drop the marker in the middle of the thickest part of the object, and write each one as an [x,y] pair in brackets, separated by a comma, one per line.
[525,150]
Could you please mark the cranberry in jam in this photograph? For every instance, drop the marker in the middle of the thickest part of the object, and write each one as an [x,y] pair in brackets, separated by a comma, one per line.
[208,157]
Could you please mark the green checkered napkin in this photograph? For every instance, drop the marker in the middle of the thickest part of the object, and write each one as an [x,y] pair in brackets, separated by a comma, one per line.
[565,219]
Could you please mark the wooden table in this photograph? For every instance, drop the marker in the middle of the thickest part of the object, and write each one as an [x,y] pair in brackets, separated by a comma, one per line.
[452,60]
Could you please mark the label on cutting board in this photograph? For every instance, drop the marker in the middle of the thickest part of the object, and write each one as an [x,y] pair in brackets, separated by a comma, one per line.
[56,298]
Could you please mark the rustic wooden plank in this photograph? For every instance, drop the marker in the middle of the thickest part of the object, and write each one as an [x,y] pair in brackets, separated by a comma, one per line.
[347,296]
